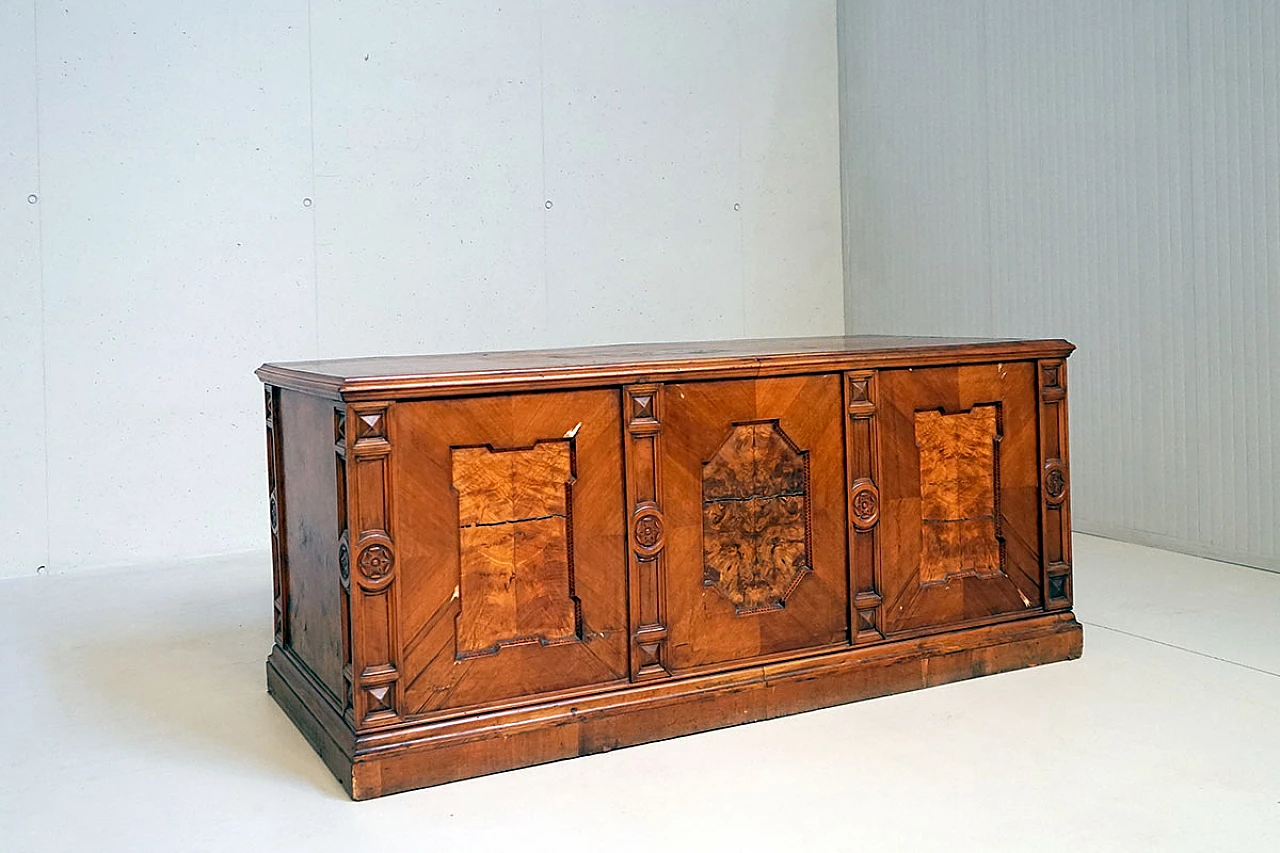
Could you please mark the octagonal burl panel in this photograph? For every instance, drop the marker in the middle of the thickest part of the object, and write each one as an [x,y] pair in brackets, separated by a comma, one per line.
[755,529]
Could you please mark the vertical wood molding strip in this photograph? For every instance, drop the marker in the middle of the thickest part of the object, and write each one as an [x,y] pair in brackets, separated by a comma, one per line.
[862,455]
[1055,487]
[376,652]
[648,531]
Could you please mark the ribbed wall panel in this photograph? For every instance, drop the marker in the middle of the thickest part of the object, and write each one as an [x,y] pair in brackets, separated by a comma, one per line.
[1103,171]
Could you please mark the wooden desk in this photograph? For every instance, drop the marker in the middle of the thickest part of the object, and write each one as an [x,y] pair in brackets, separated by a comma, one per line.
[493,560]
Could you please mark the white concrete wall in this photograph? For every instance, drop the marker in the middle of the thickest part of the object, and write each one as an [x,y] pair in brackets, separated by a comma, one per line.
[23,497]
[1103,171]
[220,184]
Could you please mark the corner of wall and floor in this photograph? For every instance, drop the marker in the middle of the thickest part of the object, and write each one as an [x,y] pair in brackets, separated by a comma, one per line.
[1103,172]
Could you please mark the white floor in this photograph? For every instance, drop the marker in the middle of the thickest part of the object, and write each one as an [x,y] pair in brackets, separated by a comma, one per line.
[134,716]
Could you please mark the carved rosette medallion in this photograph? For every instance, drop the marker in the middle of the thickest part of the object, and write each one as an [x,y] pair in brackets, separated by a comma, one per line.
[647,531]
[1055,481]
[375,564]
[344,561]
[864,503]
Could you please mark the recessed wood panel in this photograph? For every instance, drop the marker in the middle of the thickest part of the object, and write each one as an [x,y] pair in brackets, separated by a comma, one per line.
[510,546]
[516,569]
[755,518]
[310,527]
[959,490]
[958,487]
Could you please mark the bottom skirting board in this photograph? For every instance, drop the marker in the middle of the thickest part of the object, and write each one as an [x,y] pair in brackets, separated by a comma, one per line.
[421,754]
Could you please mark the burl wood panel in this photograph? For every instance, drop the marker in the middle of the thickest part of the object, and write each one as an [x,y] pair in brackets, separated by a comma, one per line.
[929,476]
[440,671]
[958,474]
[516,570]
[754,518]
[706,629]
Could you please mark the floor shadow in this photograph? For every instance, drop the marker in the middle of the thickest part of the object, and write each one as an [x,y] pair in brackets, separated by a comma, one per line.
[184,681]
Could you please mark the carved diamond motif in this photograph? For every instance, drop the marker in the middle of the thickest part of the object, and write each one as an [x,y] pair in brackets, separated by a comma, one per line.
[370,425]
[642,407]
[379,698]
[649,654]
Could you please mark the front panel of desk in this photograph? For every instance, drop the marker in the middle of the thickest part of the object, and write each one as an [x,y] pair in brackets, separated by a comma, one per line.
[478,574]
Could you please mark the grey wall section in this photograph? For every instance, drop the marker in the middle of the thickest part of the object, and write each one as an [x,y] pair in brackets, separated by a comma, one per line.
[1103,171]
[223,184]
[23,511]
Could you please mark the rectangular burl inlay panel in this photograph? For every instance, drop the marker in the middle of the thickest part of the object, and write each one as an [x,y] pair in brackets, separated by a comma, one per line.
[517,575]
[958,487]
[755,537]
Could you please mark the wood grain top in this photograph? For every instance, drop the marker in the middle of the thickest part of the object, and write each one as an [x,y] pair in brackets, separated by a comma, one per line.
[450,374]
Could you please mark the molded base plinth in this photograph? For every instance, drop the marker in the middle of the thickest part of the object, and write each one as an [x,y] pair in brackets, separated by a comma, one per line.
[423,753]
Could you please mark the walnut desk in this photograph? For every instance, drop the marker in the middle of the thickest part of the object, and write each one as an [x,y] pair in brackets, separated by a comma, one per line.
[493,560]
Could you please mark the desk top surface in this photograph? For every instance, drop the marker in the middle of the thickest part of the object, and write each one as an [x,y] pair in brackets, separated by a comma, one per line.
[398,375]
